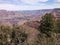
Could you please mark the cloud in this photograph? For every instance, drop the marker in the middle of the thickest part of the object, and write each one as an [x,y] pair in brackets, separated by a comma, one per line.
[57,0]
[25,7]
[18,7]
[5,1]
[32,1]
[9,7]
[14,7]
[56,5]
[43,0]
[10,1]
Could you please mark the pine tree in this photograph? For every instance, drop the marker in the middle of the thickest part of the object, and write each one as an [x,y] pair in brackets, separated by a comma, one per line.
[47,24]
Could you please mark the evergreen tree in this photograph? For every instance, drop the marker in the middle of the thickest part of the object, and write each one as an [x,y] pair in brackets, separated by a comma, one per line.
[47,24]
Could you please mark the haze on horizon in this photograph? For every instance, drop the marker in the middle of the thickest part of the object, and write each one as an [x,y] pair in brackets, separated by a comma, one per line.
[28,4]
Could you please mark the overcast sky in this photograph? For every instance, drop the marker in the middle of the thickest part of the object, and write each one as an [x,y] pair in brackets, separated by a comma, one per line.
[29,4]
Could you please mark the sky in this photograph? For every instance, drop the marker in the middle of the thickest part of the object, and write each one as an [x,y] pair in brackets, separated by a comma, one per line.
[28,4]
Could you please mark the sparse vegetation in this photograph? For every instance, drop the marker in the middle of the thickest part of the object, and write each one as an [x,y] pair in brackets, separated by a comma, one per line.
[57,26]
[12,36]
[48,29]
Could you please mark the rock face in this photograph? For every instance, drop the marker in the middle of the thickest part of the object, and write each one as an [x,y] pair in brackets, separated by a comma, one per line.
[56,13]
[18,16]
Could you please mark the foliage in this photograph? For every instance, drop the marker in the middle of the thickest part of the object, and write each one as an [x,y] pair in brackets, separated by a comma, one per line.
[57,26]
[47,24]
[17,35]
[12,36]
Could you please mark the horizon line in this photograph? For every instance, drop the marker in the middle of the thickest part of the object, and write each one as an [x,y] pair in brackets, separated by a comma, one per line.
[27,10]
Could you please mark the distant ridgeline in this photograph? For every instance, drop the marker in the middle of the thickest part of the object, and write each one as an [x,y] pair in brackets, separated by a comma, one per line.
[19,16]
